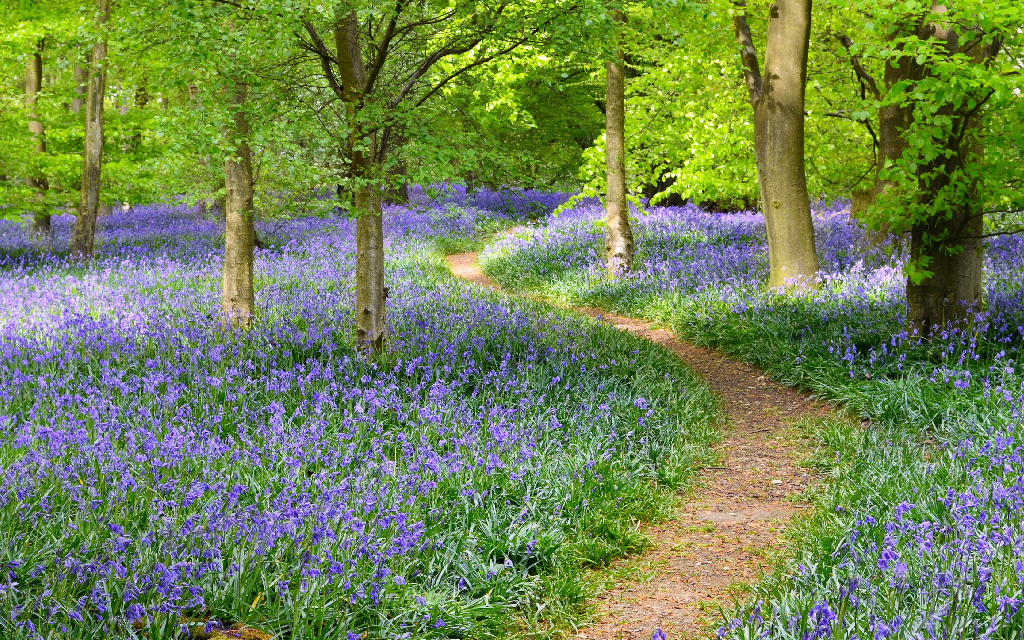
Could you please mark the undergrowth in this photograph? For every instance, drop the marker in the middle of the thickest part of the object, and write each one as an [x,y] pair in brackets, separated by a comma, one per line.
[917,531]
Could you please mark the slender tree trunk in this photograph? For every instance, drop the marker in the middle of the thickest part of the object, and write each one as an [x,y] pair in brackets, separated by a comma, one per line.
[37,182]
[81,75]
[141,100]
[238,299]
[122,100]
[92,155]
[778,105]
[618,235]
[371,316]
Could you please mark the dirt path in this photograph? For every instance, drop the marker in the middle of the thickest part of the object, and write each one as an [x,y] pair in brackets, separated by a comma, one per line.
[719,541]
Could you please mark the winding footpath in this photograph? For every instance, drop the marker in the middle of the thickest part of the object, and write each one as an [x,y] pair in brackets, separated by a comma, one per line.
[722,537]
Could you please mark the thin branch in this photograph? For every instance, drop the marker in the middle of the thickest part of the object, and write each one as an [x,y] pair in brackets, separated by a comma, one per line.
[431,60]
[965,119]
[382,51]
[842,116]
[423,23]
[993,234]
[859,69]
[474,64]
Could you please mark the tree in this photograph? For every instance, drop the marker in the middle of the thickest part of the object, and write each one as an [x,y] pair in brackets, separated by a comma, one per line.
[387,65]
[365,159]
[238,301]
[92,153]
[950,139]
[37,181]
[618,238]
[946,241]
[777,99]
[522,122]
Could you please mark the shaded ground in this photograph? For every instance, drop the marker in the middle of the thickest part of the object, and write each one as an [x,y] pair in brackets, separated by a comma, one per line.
[720,540]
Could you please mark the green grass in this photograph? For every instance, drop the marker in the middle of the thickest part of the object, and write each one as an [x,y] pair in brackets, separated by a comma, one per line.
[891,443]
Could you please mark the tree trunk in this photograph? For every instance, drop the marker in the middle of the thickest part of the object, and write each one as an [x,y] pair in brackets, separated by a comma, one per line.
[122,100]
[141,100]
[37,182]
[141,95]
[371,317]
[92,155]
[778,105]
[81,75]
[618,235]
[893,120]
[949,244]
[238,299]
[953,290]
[399,194]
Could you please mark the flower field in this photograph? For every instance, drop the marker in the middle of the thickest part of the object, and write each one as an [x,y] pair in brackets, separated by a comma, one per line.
[162,476]
[919,532]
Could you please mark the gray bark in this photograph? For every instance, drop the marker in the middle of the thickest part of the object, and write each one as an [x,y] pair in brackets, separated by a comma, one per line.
[618,235]
[371,316]
[92,154]
[777,100]
[37,180]
[238,297]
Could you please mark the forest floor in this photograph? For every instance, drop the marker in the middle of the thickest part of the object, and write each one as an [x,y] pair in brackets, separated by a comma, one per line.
[724,533]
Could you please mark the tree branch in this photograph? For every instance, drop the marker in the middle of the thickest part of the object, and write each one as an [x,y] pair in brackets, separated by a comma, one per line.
[843,116]
[993,234]
[858,68]
[748,53]
[423,23]
[325,60]
[475,63]
[965,118]
[382,51]
[431,60]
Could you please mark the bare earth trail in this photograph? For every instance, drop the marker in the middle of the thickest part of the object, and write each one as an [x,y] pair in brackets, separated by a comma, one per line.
[720,539]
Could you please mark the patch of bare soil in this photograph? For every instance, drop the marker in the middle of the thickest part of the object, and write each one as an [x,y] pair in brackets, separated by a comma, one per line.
[720,540]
